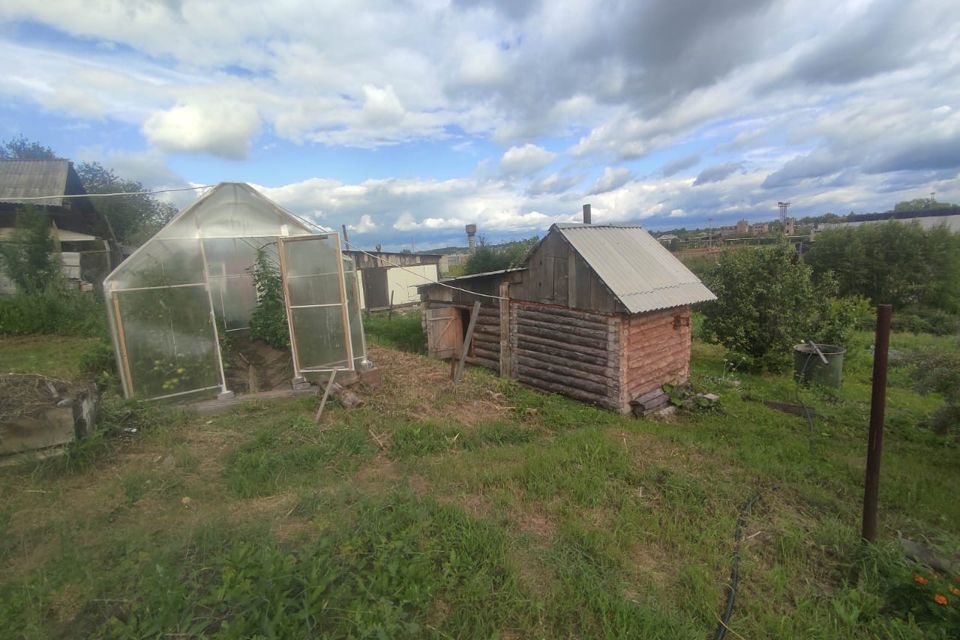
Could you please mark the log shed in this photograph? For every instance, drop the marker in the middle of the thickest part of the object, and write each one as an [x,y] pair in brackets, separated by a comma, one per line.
[599,313]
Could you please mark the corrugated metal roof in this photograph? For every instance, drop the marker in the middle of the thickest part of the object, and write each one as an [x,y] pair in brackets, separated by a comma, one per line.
[640,271]
[32,178]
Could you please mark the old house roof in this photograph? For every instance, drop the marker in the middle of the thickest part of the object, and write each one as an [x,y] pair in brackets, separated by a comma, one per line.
[640,272]
[32,178]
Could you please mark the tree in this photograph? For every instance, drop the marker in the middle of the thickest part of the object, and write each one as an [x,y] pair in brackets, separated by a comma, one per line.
[29,258]
[766,303]
[891,262]
[19,148]
[921,204]
[489,258]
[133,218]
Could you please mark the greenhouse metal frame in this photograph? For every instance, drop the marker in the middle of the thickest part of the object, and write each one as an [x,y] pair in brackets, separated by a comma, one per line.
[174,300]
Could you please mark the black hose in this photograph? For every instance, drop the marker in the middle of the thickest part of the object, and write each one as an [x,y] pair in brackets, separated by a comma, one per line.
[735,568]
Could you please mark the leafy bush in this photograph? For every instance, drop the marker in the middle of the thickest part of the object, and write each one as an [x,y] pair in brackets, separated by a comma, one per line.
[29,258]
[840,317]
[486,258]
[939,372]
[268,322]
[55,310]
[766,303]
[926,320]
[900,264]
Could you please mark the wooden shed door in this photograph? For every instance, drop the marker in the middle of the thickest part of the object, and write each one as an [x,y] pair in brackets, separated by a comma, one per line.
[444,333]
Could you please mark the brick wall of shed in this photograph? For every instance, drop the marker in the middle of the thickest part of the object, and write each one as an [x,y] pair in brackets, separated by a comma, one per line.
[561,350]
[655,351]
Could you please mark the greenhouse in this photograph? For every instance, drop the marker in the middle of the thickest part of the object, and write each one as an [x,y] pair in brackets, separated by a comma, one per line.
[174,304]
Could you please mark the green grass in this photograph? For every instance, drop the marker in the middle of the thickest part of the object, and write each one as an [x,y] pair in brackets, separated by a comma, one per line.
[398,330]
[483,510]
[55,356]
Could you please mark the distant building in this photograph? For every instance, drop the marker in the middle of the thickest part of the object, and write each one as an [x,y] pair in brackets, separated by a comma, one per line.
[388,278]
[743,227]
[790,227]
[760,229]
[667,238]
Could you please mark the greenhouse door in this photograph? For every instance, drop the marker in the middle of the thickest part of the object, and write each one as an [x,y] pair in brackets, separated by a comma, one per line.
[316,298]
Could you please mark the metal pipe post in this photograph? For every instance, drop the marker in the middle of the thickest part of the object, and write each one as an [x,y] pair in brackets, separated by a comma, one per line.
[871,484]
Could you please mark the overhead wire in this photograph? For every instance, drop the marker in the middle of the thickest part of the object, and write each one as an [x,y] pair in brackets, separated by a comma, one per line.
[350,246]
[105,195]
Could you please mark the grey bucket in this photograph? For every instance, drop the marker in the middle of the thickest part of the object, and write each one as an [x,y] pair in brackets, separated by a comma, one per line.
[808,367]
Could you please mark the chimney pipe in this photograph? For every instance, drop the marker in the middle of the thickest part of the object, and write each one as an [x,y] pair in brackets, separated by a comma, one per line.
[586,214]
[472,236]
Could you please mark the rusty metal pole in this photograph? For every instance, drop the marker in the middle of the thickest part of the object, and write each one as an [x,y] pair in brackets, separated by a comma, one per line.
[878,399]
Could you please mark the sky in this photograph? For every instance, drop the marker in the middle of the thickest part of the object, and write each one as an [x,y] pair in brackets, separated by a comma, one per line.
[407,120]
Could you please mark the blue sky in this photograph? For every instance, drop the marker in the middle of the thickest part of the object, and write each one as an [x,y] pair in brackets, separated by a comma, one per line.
[407,120]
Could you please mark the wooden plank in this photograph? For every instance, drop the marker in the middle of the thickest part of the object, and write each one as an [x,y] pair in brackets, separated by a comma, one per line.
[550,314]
[504,310]
[458,375]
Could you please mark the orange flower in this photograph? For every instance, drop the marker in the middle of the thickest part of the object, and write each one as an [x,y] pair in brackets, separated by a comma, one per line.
[919,579]
[955,591]
[940,599]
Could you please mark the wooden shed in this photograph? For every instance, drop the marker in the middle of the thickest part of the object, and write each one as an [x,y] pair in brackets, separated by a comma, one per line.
[600,313]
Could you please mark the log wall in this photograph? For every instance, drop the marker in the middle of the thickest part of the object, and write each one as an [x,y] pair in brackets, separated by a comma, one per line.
[655,351]
[560,350]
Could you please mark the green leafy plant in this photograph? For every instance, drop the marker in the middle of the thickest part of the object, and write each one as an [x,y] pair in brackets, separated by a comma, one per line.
[939,372]
[268,322]
[29,259]
[766,303]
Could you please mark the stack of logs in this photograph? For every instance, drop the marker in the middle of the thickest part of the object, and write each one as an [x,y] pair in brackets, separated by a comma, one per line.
[650,403]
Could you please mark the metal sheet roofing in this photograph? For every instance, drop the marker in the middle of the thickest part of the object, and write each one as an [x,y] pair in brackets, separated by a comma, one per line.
[32,178]
[640,271]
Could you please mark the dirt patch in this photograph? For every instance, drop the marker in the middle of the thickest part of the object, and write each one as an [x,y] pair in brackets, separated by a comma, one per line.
[420,388]
[29,395]
[252,365]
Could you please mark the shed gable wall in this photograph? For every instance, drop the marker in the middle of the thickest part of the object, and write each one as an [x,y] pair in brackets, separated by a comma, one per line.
[557,275]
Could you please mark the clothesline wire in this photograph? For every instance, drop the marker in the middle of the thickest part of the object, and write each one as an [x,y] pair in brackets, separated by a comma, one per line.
[420,275]
[106,195]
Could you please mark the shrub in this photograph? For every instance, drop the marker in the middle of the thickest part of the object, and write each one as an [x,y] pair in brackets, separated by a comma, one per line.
[29,258]
[52,311]
[402,331]
[939,372]
[766,303]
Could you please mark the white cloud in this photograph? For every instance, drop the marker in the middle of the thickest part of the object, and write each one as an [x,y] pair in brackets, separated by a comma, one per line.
[382,107]
[522,161]
[612,178]
[219,128]
[365,225]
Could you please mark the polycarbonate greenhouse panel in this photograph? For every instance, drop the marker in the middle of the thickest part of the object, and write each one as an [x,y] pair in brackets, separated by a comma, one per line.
[230,263]
[357,338]
[160,263]
[315,295]
[168,342]
[234,210]
[320,338]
